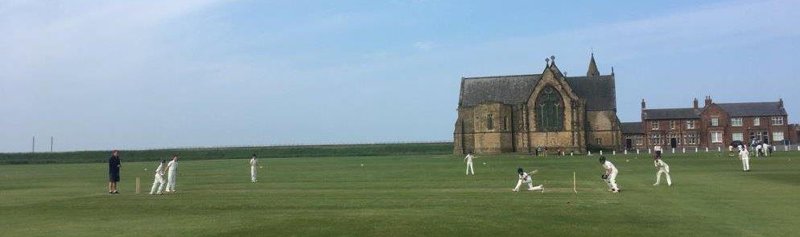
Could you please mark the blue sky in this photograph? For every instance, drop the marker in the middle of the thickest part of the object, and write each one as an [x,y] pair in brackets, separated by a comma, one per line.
[154,74]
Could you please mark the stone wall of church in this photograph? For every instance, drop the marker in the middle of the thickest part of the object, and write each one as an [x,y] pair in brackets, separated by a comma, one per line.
[604,131]
[486,128]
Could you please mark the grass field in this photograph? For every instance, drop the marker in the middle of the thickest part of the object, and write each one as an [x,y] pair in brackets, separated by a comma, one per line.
[408,196]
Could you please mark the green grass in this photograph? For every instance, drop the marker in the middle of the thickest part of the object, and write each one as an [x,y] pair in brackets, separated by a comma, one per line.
[441,148]
[408,196]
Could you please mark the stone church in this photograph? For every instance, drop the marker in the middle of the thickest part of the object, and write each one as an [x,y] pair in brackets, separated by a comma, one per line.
[553,111]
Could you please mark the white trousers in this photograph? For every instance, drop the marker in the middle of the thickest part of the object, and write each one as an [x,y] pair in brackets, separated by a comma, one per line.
[171,182]
[158,184]
[530,185]
[469,168]
[612,181]
[658,176]
[253,172]
[746,164]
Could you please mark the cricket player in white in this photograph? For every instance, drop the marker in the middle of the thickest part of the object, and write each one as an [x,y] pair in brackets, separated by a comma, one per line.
[758,149]
[468,159]
[765,148]
[159,183]
[745,157]
[610,174]
[172,170]
[253,168]
[663,168]
[525,178]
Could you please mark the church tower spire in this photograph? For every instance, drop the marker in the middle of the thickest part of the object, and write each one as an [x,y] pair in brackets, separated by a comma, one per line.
[592,68]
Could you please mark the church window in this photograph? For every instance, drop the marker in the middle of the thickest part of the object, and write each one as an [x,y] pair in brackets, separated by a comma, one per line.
[505,123]
[549,110]
[489,122]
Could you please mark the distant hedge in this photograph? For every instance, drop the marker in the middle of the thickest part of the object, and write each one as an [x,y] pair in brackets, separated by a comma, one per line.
[233,153]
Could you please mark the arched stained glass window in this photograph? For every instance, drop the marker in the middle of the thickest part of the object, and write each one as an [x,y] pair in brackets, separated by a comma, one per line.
[549,110]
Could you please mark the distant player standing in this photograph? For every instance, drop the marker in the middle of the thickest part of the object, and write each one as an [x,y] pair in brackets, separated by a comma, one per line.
[662,168]
[525,178]
[468,159]
[114,164]
[610,175]
[172,170]
[253,168]
[745,157]
[158,181]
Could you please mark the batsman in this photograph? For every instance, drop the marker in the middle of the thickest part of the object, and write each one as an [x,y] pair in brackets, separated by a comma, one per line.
[610,175]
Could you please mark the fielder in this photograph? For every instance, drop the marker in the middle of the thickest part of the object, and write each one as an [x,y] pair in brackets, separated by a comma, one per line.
[610,175]
[253,168]
[158,182]
[172,171]
[745,157]
[468,159]
[662,168]
[525,178]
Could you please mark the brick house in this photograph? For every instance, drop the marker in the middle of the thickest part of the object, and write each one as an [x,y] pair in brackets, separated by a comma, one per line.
[714,125]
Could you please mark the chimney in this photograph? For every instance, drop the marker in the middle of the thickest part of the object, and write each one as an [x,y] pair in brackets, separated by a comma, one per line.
[708,101]
[694,103]
[780,103]
[643,105]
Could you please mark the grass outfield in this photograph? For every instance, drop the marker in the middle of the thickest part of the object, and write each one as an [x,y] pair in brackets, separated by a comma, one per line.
[408,196]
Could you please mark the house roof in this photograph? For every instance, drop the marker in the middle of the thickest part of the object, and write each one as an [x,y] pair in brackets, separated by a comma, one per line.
[674,113]
[632,128]
[599,91]
[752,109]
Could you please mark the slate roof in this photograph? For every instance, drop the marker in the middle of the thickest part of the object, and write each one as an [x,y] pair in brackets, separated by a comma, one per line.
[676,113]
[753,109]
[504,89]
[599,91]
[632,128]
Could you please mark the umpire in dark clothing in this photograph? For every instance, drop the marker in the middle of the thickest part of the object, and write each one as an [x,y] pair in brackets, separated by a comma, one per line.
[113,172]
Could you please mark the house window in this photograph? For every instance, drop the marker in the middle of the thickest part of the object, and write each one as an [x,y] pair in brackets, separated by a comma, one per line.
[737,136]
[714,122]
[489,122]
[690,138]
[716,137]
[736,122]
[654,125]
[599,141]
[549,110]
[655,139]
[639,140]
[672,124]
[777,136]
[777,120]
[756,121]
[690,124]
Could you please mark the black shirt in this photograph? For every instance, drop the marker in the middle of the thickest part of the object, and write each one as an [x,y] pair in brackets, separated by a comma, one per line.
[113,164]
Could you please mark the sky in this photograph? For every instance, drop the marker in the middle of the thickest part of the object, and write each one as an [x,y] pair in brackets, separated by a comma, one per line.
[100,75]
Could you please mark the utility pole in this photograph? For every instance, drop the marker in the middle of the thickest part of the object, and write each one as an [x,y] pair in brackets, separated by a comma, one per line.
[51,144]
[33,145]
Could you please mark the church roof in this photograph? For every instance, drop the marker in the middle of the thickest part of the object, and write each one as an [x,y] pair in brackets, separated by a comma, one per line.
[676,113]
[632,128]
[599,91]
[753,109]
[513,89]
